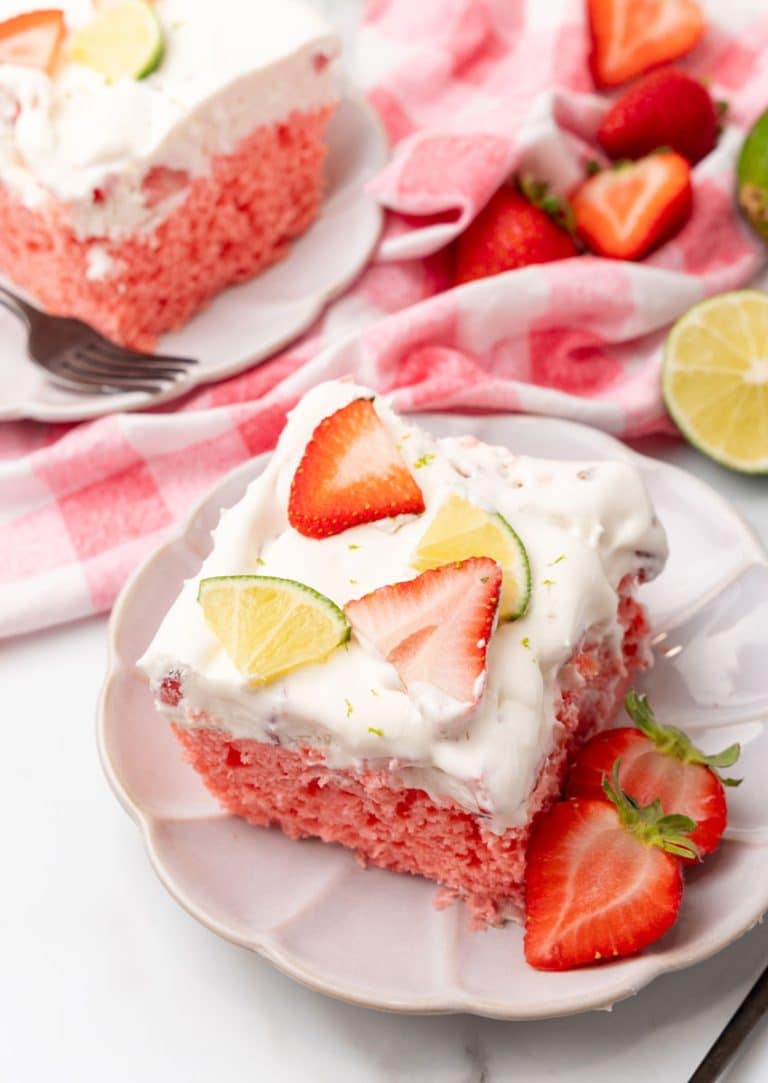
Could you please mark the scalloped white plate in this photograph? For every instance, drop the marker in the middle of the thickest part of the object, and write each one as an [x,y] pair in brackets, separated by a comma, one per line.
[374,937]
[246,323]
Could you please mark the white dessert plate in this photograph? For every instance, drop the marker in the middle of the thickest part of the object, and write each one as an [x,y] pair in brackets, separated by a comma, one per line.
[249,322]
[374,937]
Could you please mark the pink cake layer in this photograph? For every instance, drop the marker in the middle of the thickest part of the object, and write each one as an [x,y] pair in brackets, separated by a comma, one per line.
[404,829]
[232,223]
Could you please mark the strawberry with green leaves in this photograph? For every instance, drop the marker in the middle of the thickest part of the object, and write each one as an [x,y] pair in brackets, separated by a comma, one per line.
[659,762]
[603,878]
[516,228]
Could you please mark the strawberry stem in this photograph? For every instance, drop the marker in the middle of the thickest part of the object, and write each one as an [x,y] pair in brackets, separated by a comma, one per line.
[648,823]
[673,742]
[538,193]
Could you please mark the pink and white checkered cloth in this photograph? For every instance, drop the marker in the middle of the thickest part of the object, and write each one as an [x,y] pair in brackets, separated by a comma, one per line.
[469,91]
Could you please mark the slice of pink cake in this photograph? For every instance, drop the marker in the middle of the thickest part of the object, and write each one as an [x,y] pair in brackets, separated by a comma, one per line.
[131,202]
[492,624]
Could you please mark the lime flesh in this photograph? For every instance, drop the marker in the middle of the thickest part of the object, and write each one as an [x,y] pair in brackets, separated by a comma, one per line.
[715,379]
[270,626]
[461,530]
[125,41]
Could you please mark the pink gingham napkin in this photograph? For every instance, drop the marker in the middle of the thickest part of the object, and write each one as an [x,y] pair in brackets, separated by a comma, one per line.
[469,92]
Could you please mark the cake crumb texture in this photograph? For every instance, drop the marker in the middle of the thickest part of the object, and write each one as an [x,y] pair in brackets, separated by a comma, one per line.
[227,226]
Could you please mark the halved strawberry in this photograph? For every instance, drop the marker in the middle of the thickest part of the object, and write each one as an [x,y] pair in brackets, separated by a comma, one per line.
[435,629]
[668,108]
[658,762]
[603,879]
[631,36]
[32,40]
[351,473]
[627,211]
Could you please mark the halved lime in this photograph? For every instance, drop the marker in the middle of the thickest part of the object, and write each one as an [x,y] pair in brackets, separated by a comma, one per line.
[125,41]
[715,378]
[461,530]
[270,626]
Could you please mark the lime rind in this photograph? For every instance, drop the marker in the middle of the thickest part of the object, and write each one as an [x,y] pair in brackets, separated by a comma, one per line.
[696,316]
[229,634]
[522,573]
[125,41]
[752,173]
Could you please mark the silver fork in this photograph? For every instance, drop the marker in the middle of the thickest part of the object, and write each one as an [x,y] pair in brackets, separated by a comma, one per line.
[77,358]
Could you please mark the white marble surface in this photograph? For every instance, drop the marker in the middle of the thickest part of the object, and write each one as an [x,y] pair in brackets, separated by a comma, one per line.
[103,978]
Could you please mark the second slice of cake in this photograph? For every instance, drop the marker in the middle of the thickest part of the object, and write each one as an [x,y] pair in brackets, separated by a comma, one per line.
[151,160]
[396,641]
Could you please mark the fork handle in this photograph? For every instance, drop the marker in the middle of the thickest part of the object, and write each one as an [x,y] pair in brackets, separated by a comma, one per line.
[15,305]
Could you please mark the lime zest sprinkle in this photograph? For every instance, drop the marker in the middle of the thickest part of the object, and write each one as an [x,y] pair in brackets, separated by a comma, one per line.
[548,582]
[350,546]
[526,642]
[349,707]
[260,562]
[374,692]
[353,582]
[556,560]
[375,730]
[423,460]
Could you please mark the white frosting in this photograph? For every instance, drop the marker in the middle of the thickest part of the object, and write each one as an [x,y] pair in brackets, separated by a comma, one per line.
[229,66]
[584,526]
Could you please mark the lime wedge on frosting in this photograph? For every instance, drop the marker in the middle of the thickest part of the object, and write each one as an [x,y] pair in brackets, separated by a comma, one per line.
[461,530]
[270,626]
[125,41]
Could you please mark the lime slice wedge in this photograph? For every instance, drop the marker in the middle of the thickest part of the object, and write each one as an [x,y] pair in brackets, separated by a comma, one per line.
[271,626]
[715,379]
[125,41]
[461,530]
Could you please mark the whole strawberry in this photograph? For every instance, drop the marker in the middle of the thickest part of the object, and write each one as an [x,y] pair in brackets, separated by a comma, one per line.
[511,231]
[665,109]
[659,762]
[603,878]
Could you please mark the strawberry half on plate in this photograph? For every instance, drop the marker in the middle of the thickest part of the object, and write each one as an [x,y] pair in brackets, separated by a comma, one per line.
[659,762]
[603,878]
[351,473]
[435,630]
